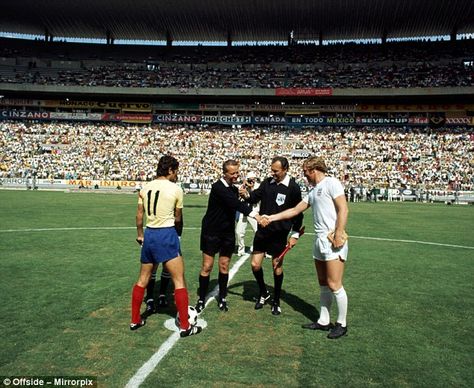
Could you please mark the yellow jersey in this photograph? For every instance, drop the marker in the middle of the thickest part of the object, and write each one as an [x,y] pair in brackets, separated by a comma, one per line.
[159,198]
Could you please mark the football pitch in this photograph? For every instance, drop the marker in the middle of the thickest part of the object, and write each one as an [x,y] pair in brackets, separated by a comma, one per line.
[68,262]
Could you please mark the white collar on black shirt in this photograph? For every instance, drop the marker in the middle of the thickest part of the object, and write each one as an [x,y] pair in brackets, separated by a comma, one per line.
[224,182]
[285,181]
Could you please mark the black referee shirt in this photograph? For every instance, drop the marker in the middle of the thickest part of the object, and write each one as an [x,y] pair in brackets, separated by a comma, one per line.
[222,205]
[274,198]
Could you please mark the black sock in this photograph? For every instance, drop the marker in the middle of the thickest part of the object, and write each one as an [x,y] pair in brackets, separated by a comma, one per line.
[164,282]
[150,288]
[261,283]
[278,279]
[203,286]
[223,280]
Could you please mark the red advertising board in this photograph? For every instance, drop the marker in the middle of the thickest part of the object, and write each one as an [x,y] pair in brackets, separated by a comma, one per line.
[310,92]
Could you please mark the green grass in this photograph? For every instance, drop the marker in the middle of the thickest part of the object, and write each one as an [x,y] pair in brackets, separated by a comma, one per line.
[66,301]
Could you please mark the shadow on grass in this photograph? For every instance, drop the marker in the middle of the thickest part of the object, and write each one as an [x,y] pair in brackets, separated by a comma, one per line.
[170,309]
[250,293]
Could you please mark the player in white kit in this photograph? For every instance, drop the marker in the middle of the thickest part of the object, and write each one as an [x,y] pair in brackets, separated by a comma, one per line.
[330,249]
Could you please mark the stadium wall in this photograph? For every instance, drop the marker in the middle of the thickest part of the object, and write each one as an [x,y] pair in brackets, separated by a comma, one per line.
[130,187]
[156,93]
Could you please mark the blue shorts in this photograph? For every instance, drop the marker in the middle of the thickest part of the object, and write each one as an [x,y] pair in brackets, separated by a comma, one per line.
[160,245]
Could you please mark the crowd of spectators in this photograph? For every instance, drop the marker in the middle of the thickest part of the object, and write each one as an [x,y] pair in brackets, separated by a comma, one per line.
[295,54]
[258,76]
[370,156]
[400,65]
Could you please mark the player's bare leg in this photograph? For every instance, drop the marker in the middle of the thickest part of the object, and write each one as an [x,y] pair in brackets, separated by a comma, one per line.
[330,274]
[176,269]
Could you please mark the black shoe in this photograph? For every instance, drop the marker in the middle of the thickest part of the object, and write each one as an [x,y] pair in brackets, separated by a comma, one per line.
[136,326]
[262,300]
[162,301]
[150,305]
[317,326]
[191,331]
[199,306]
[337,331]
[223,305]
[276,310]
[150,309]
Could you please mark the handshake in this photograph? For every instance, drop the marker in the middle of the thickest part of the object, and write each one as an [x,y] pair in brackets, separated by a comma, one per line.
[263,220]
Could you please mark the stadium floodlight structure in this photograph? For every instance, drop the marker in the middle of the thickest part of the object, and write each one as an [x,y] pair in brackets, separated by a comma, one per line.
[231,22]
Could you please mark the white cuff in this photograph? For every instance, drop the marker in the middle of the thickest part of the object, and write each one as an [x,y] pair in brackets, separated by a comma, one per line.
[295,235]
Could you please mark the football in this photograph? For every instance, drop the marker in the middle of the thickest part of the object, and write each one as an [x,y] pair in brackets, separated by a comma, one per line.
[192,317]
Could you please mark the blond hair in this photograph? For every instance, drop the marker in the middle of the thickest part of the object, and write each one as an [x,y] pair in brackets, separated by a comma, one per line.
[316,163]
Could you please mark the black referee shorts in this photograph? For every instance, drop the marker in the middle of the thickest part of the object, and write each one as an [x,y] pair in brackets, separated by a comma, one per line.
[272,243]
[222,244]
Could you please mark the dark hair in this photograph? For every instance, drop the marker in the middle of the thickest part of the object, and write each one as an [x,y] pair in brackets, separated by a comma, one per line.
[166,163]
[283,161]
[229,162]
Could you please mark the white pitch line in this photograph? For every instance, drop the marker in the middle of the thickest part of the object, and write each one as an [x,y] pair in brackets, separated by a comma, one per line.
[192,228]
[151,364]
[413,242]
[72,228]
[154,360]
[65,229]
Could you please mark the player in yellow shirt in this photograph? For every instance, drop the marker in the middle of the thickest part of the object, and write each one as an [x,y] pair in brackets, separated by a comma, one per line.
[161,200]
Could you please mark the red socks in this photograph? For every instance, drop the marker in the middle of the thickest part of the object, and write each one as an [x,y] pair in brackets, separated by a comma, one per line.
[137,299]
[181,300]
[180,297]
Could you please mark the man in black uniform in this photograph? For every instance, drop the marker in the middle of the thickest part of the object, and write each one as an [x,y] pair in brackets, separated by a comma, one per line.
[218,231]
[276,193]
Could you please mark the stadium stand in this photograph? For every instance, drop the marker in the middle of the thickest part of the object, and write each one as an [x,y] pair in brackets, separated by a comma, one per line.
[387,157]
[394,65]
[392,162]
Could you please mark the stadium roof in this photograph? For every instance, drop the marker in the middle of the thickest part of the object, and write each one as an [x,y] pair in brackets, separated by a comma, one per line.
[237,20]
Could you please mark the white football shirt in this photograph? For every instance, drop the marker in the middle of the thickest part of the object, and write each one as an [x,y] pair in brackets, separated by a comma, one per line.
[320,198]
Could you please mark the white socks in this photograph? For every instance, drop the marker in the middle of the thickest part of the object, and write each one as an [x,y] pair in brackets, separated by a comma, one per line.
[326,302]
[341,302]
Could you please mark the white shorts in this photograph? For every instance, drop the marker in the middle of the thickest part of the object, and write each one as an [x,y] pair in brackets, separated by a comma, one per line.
[324,251]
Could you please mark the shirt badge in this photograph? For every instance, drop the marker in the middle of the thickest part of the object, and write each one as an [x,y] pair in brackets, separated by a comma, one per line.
[280,199]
